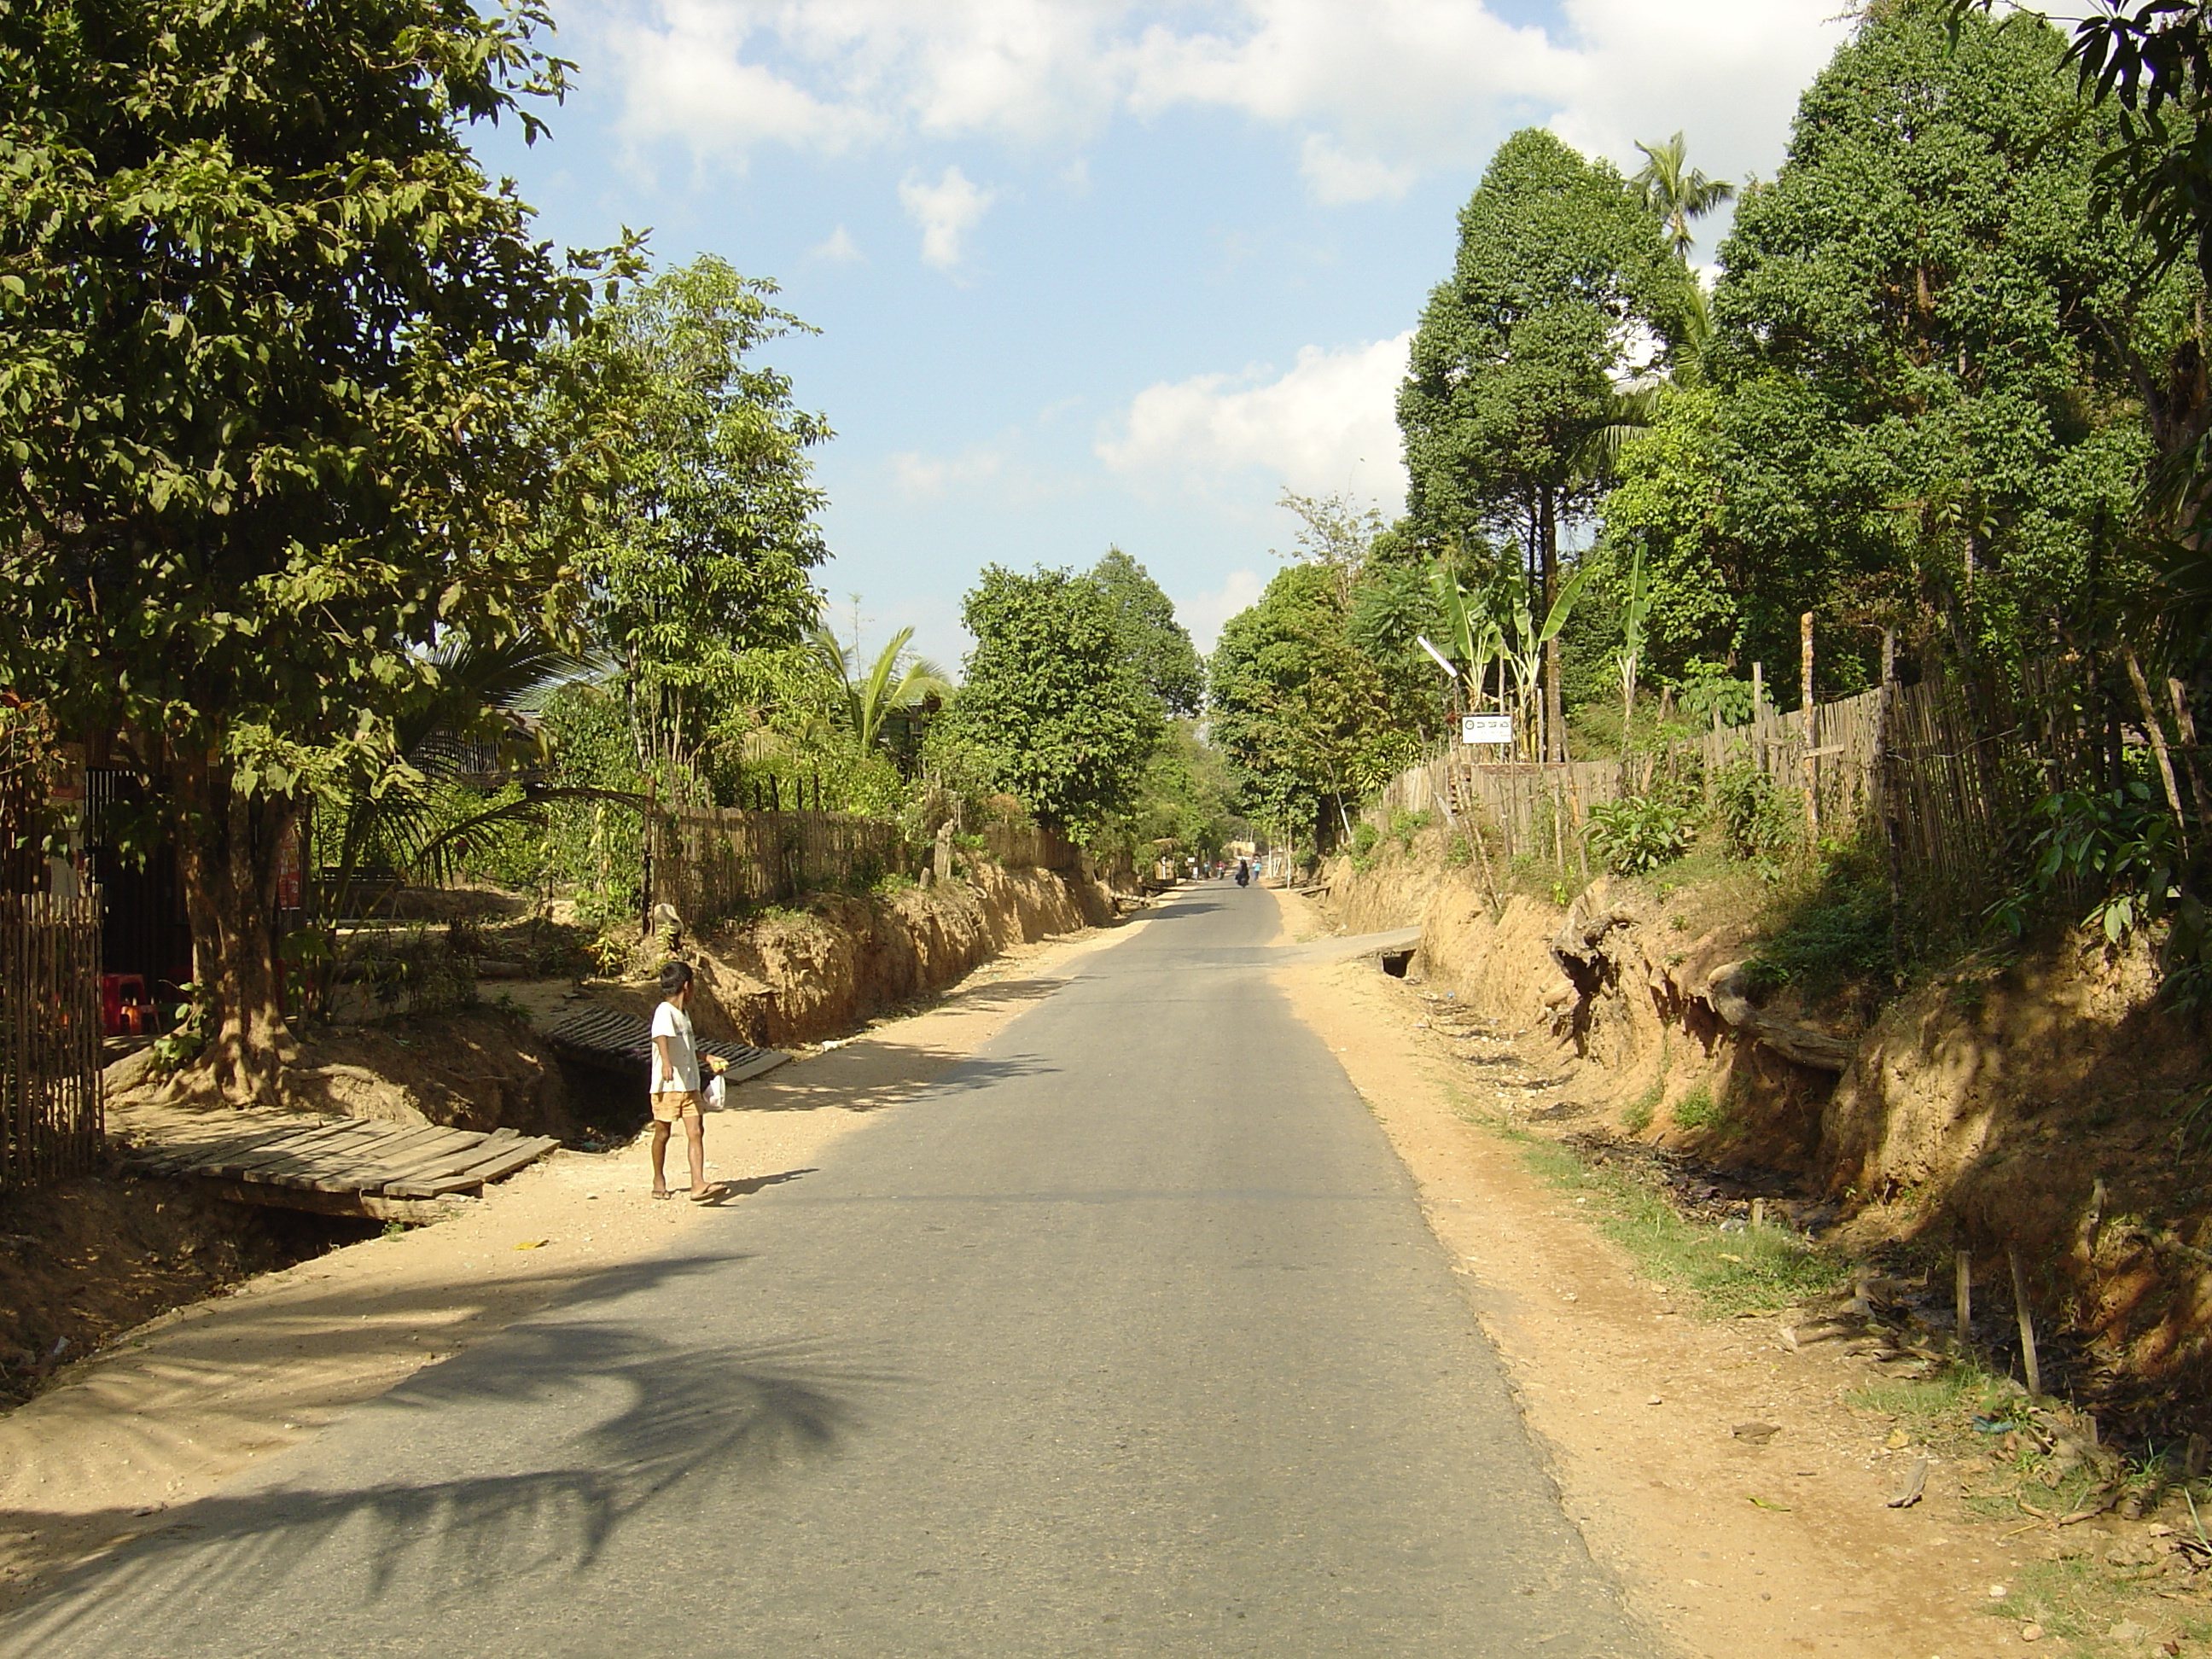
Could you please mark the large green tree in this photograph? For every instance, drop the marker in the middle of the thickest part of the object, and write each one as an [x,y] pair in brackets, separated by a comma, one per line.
[2146,66]
[1300,709]
[1158,646]
[1051,709]
[270,354]
[1925,413]
[1562,287]
[703,547]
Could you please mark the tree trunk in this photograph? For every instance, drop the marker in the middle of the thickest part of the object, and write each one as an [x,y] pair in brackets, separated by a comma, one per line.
[1555,736]
[227,855]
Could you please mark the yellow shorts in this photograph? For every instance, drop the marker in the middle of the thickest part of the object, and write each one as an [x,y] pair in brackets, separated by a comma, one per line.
[669,1104]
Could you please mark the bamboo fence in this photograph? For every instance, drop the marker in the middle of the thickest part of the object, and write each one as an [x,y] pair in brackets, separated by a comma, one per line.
[49,1052]
[1017,847]
[718,861]
[1937,771]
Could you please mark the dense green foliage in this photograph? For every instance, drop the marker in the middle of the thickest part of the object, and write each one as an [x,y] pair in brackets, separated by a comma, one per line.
[271,351]
[1562,287]
[1560,273]
[1911,418]
[701,550]
[1156,646]
[1052,710]
[1302,713]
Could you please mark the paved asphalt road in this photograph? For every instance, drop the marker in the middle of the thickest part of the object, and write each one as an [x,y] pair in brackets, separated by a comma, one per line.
[1127,1338]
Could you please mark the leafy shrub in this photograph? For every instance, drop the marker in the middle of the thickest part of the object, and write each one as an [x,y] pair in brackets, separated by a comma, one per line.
[182,1043]
[1756,819]
[1707,687]
[1835,930]
[2114,845]
[1405,825]
[609,952]
[1364,838]
[1639,833]
[426,973]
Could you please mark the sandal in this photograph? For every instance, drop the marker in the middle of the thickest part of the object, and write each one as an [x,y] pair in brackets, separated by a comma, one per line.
[662,1192]
[708,1195]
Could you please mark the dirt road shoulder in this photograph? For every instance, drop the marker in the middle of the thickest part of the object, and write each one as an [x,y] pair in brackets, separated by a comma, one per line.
[1735,1542]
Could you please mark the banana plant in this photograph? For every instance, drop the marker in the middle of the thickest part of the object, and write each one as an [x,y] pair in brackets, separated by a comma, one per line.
[1523,653]
[1472,637]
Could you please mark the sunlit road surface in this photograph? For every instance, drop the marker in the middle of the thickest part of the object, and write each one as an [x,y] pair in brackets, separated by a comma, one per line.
[1126,1338]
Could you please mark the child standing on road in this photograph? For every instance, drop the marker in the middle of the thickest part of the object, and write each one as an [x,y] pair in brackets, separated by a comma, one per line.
[676,1093]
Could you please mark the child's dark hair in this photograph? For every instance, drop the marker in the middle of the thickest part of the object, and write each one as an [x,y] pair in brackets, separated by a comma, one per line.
[674,977]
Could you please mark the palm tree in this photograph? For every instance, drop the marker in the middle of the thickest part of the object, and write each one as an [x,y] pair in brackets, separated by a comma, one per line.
[1677,191]
[470,714]
[889,687]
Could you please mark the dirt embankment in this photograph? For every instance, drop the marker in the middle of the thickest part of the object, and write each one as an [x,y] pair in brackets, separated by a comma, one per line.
[798,978]
[483,1068]
[2039,1103]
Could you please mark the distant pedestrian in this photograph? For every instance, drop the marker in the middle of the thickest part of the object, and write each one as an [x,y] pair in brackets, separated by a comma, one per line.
[675,1091]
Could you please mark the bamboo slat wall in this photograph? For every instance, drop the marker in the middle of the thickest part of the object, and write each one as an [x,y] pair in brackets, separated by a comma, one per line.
[50,1055]
[1015,847]
[718,861]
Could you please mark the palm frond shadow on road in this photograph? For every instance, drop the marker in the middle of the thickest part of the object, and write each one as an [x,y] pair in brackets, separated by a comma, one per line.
[681,1419]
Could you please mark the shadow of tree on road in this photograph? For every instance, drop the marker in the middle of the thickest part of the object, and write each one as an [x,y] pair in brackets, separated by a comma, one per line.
[886,1074]
[661,1423]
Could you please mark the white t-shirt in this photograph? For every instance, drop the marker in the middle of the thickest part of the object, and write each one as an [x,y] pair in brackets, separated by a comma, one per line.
[672,1022]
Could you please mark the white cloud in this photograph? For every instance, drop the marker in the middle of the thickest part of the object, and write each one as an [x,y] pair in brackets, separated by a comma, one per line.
[927,478]
[1337,177]
[840,249]
[947,211]
[1726,71]
[1327,424]
[686,75]
[1373,93]
[1204,614]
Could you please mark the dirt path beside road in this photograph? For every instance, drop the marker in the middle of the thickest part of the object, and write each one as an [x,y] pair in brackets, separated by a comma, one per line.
[178,1405]
[1735,1544]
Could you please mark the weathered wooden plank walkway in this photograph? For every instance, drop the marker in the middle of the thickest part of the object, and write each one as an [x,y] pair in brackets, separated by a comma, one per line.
[623,1044]
[348,1165]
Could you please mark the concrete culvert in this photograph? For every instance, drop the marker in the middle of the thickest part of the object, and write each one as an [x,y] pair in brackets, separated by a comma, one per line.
[1397,962]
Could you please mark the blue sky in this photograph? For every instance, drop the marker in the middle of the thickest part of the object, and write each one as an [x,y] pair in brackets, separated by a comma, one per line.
[1092,272]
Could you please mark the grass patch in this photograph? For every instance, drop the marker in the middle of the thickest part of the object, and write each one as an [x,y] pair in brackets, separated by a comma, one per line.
[2077,1601]
[1698,1109]
[1828,927]
[1641,1110]
[1730,1273]
[1947,1403]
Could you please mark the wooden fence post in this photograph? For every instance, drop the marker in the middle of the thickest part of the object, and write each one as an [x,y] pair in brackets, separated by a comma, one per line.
[1811,722]
[2027,1324]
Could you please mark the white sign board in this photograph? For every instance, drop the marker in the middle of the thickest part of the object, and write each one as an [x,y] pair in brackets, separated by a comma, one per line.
[1485,728]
